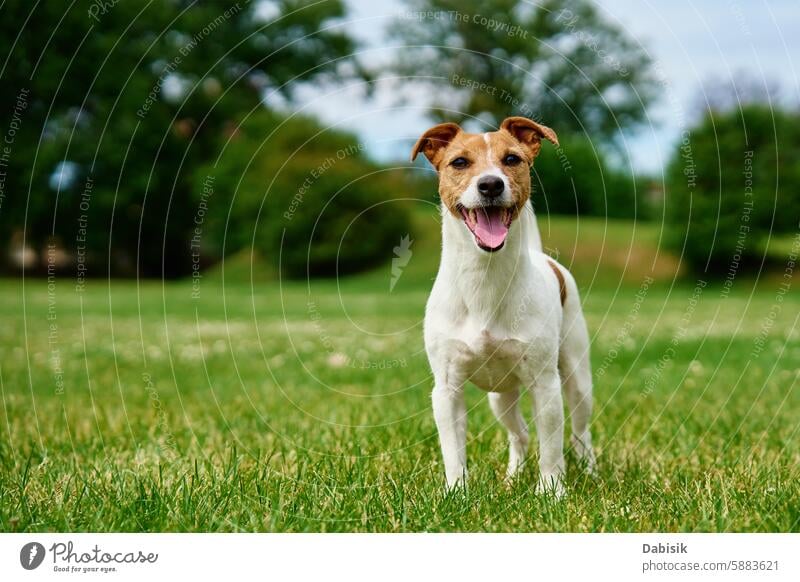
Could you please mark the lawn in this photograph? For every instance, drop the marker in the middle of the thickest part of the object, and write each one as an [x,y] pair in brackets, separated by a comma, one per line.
[287,406]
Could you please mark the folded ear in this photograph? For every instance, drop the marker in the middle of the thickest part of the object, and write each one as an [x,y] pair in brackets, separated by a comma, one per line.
[529,133]
[433,142]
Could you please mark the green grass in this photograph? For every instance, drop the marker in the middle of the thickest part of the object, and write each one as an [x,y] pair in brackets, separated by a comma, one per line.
[249,410]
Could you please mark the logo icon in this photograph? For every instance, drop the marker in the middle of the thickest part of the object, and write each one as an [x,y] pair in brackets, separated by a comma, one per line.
[402,254]
[31,555]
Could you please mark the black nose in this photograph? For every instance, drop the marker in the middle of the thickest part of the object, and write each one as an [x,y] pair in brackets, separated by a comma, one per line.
[490,186]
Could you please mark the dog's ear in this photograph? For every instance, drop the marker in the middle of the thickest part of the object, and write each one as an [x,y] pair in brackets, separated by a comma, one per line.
[529,133]
[433,142]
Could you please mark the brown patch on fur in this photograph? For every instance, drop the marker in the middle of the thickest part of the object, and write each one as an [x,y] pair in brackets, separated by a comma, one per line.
[529,133]
[562,284]
[444,143]
[433,142]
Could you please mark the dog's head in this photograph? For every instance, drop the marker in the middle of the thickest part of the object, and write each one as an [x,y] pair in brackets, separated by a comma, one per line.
[484,178]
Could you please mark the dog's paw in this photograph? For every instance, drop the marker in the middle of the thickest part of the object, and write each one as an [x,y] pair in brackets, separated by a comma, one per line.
[511,477]
[551,485]
[457,481]
[585,455]
[514,469]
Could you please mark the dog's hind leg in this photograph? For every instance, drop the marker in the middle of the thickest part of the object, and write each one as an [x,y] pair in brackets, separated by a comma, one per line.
[576,377]
[505,406]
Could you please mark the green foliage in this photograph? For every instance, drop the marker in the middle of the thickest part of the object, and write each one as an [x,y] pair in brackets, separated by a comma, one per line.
[306,197]
[102,79]
[558,61]
[733,183]
[577,179]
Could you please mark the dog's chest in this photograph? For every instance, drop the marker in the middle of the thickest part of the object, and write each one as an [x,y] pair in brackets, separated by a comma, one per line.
[494,329]
[490,361]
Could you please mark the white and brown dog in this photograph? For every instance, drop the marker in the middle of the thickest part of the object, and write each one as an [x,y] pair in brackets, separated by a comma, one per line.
[502,314]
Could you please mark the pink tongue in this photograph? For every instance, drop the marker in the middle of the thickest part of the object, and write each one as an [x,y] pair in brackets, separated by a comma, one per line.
[490,228]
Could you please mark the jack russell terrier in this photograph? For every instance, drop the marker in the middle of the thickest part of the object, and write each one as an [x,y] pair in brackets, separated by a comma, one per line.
[502,314]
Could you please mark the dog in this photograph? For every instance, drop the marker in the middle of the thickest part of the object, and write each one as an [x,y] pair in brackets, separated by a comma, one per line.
[502,314]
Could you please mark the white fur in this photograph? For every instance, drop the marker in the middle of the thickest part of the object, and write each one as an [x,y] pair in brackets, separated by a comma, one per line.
[496,320]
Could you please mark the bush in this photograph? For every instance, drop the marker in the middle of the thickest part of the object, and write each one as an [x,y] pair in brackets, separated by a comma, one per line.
[576,179]
[733,181]
[305,197]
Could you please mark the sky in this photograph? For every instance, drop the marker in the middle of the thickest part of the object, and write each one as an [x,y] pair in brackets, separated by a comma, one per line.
[692,43]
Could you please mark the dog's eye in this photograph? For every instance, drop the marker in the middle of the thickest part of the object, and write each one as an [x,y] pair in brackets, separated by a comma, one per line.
[460,163]
[511,159]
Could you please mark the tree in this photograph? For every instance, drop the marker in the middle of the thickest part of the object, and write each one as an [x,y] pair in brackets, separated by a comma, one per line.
[576,179]
[557,61]
[733,182]
[320,209]
[132,99]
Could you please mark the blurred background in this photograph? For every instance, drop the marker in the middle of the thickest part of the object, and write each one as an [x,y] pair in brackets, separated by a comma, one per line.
[118,117]
[215,256]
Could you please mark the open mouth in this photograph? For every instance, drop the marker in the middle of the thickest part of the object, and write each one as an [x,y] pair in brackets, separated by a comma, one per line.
[489,225]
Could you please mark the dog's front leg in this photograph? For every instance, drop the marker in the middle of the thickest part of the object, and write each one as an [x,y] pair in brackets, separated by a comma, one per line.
[549,411]
[450,414]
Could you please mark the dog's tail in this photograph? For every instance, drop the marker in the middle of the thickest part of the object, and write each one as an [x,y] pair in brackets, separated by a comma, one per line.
[531,228]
